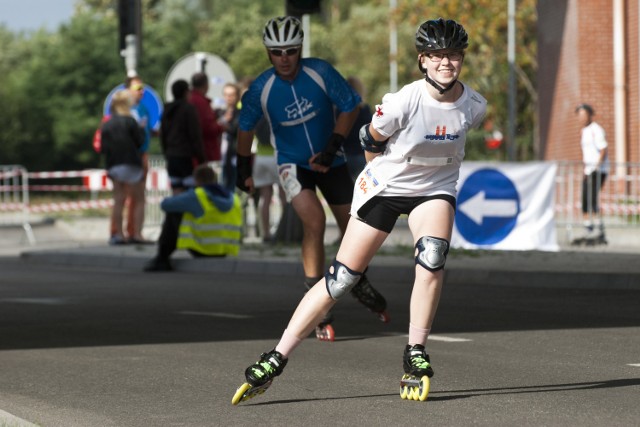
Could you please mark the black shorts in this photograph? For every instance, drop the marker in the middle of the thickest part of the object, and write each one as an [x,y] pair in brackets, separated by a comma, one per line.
[336,185]
[382,212]
[179,168]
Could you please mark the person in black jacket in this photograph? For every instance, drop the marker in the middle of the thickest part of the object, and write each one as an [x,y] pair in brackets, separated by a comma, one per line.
[121,141]
[181,141]
[180,136]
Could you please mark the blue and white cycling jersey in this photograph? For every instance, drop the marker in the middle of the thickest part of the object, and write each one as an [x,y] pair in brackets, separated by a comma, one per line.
[300,112]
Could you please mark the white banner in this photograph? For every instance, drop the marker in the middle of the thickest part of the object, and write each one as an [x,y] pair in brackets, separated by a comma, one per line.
[506,206]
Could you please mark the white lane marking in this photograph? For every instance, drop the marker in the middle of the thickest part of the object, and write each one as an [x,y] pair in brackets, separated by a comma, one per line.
[445,339]
[11,420]
[448,339]
[635,365]
[216,314]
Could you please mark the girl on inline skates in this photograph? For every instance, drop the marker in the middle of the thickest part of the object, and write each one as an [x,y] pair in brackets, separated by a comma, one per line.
[414,148]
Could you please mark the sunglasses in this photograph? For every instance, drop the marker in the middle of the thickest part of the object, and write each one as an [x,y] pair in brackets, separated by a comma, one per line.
[137,87]
[289,52]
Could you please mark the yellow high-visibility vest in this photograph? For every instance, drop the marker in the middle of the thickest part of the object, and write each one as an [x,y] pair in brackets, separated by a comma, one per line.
[215,232]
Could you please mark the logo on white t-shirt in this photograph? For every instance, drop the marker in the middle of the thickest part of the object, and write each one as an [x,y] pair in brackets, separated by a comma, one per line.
[441,135]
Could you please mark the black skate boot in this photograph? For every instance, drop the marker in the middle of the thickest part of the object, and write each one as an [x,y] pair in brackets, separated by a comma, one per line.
[266,369]
[416,361]
[415,383]
[368,296]
[259,376]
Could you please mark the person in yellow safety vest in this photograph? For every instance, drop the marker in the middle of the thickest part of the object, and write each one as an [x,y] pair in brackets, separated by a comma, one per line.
[206,220]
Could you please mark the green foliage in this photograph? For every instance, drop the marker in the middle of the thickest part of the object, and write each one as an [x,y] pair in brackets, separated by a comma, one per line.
[54,83]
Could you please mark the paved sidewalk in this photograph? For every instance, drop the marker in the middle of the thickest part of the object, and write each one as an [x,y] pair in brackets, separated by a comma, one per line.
[81,243]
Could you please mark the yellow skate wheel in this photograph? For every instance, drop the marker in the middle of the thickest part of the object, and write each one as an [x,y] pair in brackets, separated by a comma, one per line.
[237,398]
[412,388]
[420,393]
[404,392]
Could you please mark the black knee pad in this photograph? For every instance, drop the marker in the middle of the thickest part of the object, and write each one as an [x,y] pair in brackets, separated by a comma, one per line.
[341,281]
[432,252]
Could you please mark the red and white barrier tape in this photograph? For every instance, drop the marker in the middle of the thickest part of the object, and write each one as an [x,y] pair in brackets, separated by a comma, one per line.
[63,174]
[92,179]
[44,188]
[57,207]
[66,206]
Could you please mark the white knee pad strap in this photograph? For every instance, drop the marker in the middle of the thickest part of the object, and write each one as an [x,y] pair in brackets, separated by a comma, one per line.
[432,252]
[340,279]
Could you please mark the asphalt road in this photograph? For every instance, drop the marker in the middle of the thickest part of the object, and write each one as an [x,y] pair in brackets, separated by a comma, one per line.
[90,346]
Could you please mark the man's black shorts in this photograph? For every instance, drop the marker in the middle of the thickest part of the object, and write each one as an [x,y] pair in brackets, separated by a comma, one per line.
[179,168]
[335,185]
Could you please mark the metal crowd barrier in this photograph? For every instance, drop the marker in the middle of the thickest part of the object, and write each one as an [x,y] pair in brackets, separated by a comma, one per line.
[14,199]
[619,201]
[156,191]
[619,196]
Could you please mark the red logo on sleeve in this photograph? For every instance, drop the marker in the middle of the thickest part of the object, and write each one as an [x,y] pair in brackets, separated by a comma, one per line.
[379,112]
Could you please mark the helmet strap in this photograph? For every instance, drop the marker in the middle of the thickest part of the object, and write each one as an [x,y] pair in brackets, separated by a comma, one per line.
[429,80]
[439,88]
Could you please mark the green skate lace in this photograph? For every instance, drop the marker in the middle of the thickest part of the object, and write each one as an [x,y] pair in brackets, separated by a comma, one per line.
[268,369]
[419,362]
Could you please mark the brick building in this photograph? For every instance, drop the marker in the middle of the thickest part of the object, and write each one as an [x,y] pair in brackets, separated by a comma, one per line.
[588,52]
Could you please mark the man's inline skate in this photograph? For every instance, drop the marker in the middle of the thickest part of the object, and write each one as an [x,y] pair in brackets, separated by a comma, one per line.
[324,330]
[368,296]
[415,383]
[593,237]
[260,376]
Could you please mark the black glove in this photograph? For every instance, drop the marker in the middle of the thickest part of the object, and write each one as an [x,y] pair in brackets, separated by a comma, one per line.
[327,156]
[244,169]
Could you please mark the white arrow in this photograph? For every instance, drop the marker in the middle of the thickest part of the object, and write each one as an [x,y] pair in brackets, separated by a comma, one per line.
[477,207]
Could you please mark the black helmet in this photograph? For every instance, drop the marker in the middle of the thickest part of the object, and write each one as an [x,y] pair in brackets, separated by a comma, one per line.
[438,34]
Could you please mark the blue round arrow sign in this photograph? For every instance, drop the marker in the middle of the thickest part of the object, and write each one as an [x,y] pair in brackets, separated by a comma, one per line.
[488,207]
[150,99]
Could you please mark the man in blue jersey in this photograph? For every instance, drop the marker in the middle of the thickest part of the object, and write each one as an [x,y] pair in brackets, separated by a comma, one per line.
[298,97]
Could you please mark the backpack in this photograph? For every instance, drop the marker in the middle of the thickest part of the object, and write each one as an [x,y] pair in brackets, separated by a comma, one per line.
[97,135]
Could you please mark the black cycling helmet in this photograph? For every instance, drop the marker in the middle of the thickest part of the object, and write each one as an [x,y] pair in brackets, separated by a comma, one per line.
[438,34]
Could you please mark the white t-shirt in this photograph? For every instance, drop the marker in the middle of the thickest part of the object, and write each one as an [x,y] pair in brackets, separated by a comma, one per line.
[426,139]
[593,141]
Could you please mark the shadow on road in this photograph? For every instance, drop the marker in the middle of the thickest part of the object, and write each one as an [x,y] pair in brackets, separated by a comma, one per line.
[448,395]
[49,307]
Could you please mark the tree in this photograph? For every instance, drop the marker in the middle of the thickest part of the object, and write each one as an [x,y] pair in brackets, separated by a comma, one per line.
[54,83]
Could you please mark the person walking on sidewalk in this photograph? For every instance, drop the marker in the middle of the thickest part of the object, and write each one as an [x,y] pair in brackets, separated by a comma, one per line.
[137,205]
[596,167]
[298,96]
[121,139]
[414,145]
